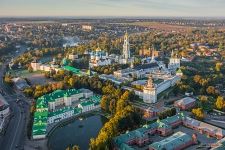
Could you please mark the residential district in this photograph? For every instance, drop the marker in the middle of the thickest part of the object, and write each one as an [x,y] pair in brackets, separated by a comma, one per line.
[153,96]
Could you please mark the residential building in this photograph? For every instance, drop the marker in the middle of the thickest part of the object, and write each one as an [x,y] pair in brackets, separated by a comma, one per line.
[142,136]
[58,105]
[204,128]
[220,145]
[92,104]
[185,103]
[62,113]
[177,141]
[87,27]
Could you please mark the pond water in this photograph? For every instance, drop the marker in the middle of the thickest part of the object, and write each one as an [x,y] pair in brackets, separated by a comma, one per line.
[77,132]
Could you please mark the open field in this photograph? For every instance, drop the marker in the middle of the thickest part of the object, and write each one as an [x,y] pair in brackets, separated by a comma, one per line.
[34,78]
[171,27]
[157,25]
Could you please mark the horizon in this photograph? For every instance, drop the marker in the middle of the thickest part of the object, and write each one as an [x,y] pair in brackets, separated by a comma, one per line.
[112,8]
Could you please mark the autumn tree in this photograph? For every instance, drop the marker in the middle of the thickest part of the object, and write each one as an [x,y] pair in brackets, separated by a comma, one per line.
[198,113]
[203,98]
[220,103]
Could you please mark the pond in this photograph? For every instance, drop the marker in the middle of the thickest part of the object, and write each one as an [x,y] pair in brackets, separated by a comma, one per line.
[77,132]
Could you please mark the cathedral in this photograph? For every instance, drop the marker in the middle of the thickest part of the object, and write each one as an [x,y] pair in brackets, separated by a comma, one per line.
[99,58]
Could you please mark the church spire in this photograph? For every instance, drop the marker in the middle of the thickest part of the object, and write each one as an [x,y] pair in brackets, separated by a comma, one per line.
[172,54]
[126,47]
[153,55]
[98,49]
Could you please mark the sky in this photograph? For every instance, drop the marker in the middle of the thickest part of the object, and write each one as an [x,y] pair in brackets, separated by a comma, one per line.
[150,8]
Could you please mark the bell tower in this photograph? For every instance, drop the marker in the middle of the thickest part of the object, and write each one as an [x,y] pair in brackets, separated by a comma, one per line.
[126,47]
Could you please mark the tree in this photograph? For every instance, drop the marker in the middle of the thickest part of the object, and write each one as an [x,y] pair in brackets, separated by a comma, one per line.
[28,92]
[198,113]
[75,147]
[218,67]
[197,78]
[203,98]
[105,103]
[30,69]
[71,82]
[220,103]
[8,80]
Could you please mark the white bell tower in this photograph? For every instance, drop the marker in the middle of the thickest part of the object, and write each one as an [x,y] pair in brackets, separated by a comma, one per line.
[149,92]
[126,47]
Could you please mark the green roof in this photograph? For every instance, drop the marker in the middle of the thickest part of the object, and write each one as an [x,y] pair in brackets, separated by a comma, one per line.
[65,62]
[39,126]
[77,110]
[179,71]
[172,142]
[141,132]
[72,69]
[96,98]
[86,103]
[41,115]
[59,94]
[39,129]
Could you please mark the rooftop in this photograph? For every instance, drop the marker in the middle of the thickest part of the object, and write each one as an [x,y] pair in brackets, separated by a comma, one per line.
[185,101]
[172,142]
[72,69]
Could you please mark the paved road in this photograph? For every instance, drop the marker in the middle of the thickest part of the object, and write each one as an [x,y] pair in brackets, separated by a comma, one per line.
[15,134]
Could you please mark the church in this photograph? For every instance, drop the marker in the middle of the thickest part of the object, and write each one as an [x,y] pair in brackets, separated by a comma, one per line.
[99,58]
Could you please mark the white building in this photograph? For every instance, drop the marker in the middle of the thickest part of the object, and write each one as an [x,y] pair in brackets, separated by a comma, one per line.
[60,114]
[73,56]
[150,92]
[36,66]
[88,106]
[99,58]
[174,63]
[87,27]
[60,97]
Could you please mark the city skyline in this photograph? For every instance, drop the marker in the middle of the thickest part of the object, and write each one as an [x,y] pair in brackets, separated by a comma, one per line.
[171,8]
